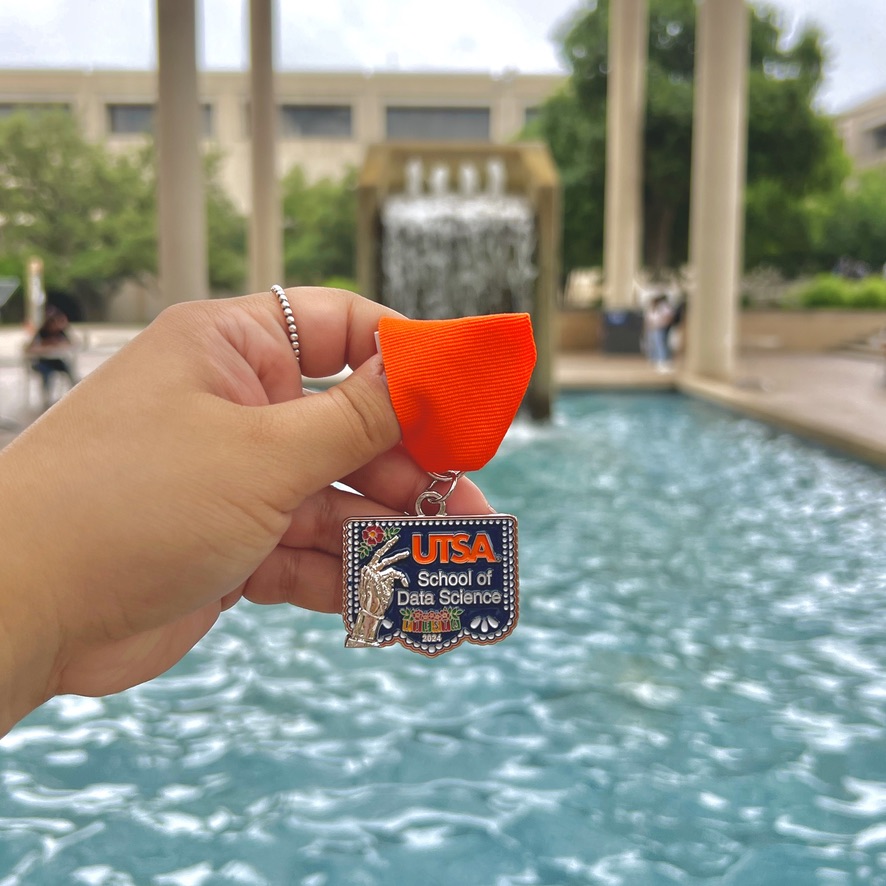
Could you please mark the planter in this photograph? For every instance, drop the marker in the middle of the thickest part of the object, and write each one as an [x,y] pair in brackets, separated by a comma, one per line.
[810,329]
[579,330]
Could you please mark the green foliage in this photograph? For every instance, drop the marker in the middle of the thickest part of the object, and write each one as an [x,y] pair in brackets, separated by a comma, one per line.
[319,228]
[796,161]
[582,138]
[91,215]
[829,291]
[779,231]
[225,233]
[341,283]
[853,222]
[794,154]
[868,293]
[76,206]
[825,291]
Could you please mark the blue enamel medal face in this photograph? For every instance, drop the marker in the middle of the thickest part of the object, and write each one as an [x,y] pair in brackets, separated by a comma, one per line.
[430,583]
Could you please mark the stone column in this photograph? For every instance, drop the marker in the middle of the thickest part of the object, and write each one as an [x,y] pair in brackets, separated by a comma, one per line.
[266,228]
[181,209]
[719,148]
[625,112]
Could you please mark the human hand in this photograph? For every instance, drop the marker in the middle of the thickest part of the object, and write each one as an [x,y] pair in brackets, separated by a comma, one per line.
[189,471]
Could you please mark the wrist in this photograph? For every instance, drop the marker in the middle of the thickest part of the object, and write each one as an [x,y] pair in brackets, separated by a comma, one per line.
[27,661]
[29,624]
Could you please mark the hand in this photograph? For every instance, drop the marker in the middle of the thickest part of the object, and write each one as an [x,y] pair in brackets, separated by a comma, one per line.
[189,471]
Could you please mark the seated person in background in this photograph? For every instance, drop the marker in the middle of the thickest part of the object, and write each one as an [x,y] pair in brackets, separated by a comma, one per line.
[52,349]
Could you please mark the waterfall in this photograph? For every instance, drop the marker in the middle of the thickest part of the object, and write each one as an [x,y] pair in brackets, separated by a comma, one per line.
[456,254]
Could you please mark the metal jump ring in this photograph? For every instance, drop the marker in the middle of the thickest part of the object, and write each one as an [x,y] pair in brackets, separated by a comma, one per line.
[289,317]
[438,498]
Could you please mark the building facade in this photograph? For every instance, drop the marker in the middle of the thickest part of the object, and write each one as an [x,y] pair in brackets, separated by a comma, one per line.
[326,120]
[863,130]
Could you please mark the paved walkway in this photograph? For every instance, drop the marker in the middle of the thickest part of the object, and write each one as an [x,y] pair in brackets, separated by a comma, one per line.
[836,399]
[20,396]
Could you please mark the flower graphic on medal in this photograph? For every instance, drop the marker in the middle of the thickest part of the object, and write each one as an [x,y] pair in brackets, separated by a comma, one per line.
[484,622]
[373,535]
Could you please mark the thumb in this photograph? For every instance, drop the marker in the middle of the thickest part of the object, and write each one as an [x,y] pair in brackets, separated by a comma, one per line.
[325,436]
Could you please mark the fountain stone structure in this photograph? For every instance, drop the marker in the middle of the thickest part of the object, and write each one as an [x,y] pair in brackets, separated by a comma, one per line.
[453,230]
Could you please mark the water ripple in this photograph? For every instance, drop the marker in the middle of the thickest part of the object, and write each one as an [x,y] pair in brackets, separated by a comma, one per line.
[695,694]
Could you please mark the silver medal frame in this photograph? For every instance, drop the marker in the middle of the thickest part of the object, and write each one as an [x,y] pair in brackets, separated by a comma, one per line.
[372,575]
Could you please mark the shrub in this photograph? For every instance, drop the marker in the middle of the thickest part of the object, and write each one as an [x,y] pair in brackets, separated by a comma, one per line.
[868,293]
[825,291]
[829,291]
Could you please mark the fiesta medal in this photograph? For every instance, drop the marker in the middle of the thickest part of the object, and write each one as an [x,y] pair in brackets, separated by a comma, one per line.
[432,581]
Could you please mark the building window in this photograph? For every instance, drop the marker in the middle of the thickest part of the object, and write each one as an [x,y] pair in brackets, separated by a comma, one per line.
[139,119]
[438,124]
[9,108]
[878,138]
[206,121]
[315,121]
[130,119]
[530,115]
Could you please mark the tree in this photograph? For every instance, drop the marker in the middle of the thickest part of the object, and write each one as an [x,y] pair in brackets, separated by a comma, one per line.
[793,152]
[92,215]
[319,228]
[225,233]
[86,213]
[852,222]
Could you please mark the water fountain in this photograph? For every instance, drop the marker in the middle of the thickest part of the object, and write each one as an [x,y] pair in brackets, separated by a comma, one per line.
[451,231]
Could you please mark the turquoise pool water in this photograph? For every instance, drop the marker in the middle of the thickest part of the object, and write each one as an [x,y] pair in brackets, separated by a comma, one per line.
[696,693]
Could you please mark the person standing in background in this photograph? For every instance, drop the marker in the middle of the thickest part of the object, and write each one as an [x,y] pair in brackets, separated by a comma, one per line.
[657,320]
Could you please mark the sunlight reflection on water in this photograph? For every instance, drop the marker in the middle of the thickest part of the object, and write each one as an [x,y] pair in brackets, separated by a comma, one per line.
[695,693]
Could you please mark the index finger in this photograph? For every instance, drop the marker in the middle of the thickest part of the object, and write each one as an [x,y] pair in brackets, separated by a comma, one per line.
[395,480]
[336,328]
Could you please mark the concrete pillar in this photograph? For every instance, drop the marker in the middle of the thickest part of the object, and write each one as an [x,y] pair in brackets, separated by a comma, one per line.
[719,149]
[90,109]
[548,206]
[181,209]
[507,120]
[371,124]
[266,227]
[625,112]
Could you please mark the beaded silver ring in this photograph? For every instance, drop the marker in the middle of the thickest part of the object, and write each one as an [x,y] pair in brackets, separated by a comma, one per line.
[290,320]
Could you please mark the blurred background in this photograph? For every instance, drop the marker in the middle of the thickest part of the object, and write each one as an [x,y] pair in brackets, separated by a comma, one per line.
[80,80]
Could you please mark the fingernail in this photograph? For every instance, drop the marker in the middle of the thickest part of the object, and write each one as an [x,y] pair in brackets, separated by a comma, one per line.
[376,367]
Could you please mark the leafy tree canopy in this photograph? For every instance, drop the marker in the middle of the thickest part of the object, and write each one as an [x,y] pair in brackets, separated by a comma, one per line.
[319,228]
[852,222]
[91,215]
[86,213]
[793,151]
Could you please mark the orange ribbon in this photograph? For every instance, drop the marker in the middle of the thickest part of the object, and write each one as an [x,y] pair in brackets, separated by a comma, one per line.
[456,385]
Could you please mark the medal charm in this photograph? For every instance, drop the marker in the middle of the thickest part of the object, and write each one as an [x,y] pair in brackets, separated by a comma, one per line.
[430,583]
[433,581]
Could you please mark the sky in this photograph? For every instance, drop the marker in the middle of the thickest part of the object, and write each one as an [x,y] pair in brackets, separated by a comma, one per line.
[373,35]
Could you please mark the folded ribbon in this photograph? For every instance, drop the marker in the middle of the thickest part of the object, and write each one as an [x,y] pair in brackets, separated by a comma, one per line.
[456,385]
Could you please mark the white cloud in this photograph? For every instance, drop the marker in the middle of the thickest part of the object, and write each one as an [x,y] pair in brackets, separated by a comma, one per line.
[854,38]
[479,35]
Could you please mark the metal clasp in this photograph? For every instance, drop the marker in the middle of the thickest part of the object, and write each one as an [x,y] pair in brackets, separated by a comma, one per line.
[437,496]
